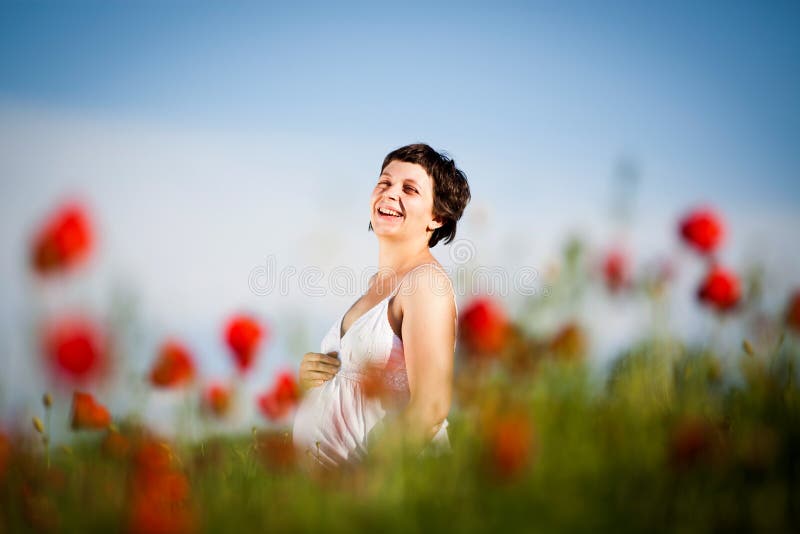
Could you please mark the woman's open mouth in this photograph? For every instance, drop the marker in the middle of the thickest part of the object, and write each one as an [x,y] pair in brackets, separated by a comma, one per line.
[389,214]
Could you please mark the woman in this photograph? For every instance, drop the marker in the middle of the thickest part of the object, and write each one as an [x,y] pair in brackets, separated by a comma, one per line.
[401,334]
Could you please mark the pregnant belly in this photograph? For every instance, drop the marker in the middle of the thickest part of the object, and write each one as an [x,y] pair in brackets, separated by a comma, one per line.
[313,408]
[333,420]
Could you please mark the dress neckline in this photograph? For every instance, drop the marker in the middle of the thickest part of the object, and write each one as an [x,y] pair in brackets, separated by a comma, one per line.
[341,319]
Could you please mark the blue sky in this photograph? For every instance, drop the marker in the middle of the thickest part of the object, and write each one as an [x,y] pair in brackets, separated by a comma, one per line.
[208,135]
[533,85]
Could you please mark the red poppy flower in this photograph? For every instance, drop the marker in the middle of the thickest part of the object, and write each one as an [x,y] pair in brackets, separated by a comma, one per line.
[510,442]
[720,289]
[570,343]
[483,327]
[615,270]
[373,383]
[160,497]
[152,456]
[5,452]
[793,312]
[691,441]
[87,413]
[279,401]
[217,399]
[277,450]
[243,335]
[174,366]
[116,445]
[702,229]
[151,513]
[75,349]
[63,242]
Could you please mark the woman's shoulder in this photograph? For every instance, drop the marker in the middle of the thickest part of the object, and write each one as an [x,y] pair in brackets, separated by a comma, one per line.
[428,294]
[425,282]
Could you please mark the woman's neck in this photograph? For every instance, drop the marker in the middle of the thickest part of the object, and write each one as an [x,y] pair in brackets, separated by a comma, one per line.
[397,258]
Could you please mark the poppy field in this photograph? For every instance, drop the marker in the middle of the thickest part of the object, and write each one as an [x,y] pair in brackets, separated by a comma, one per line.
[677,436]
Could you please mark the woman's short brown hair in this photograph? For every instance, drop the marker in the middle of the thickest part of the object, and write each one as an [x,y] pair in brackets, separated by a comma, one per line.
[450,188]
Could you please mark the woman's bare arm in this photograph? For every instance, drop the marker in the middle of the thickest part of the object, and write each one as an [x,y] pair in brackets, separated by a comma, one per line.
[428,343]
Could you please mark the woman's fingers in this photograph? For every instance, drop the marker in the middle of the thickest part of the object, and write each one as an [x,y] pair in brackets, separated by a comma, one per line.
[321,367]
[314,379]
[320,362]
[317,357]
[325,365]
[319,375]
[330,360]
[316,369]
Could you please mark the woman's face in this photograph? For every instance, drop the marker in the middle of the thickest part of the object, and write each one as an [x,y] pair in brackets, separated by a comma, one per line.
[406,189]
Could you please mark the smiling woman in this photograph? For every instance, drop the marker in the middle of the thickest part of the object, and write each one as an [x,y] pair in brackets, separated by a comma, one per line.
[391,352]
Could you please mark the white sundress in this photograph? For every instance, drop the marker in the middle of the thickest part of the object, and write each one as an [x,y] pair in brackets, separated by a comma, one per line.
[333,420]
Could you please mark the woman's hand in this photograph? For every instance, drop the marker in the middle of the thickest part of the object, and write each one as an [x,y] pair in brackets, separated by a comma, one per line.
[317,368]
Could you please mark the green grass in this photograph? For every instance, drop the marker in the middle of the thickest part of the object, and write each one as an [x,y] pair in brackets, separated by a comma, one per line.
[674,440]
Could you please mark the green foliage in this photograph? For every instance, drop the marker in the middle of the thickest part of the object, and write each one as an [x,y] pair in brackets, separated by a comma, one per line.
[677,439]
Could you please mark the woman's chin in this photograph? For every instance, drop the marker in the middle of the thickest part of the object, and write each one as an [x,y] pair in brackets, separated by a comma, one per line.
[385,231]
[386,225]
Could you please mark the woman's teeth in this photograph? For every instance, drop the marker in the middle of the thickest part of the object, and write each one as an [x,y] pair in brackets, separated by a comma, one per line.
[392,213]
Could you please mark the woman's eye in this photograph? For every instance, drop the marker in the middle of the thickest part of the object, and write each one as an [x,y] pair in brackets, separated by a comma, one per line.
[409,188]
